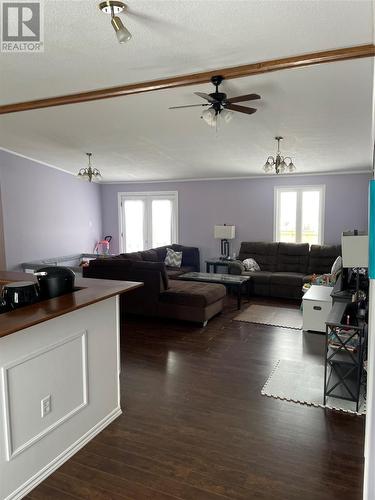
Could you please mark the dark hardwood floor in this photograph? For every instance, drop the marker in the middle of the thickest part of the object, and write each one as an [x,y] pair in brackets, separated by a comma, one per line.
[195,425]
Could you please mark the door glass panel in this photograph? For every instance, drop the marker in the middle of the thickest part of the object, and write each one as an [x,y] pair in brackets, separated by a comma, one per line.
[310,216]
[287,217]
[134,213]
[161,223]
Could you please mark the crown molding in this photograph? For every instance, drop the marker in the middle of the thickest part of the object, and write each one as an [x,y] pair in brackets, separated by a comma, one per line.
[239,178]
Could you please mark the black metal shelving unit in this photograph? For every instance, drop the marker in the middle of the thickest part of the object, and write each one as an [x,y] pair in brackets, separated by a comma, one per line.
[346,347]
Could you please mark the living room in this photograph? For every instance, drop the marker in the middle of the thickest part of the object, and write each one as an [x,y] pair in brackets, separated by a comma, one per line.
[212,180]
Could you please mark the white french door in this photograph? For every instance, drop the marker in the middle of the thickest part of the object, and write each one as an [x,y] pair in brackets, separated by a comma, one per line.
[148,220]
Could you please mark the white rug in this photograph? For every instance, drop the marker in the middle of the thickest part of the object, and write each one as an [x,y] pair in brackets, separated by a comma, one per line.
[303,382]
[274,316]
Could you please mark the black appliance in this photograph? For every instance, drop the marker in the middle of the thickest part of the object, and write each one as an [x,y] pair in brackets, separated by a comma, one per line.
[55,281]
[19,294]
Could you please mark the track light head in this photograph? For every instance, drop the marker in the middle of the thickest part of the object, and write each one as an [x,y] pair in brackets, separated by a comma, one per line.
[114,7]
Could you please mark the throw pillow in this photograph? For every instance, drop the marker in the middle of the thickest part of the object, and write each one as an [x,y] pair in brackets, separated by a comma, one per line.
[336,266]
[251,265]
[173,259]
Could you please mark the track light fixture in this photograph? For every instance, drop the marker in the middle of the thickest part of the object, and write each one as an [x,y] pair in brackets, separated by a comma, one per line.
[114,7]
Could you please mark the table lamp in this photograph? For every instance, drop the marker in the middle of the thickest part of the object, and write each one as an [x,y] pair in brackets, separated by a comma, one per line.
[224,233]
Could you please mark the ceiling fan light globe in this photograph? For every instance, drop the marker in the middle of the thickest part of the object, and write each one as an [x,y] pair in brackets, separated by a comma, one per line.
[226,115]
[209,116]
[214,122]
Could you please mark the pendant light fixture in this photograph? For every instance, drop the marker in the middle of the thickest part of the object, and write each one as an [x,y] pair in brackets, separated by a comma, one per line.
[114,7]
[279,164]
[89,173]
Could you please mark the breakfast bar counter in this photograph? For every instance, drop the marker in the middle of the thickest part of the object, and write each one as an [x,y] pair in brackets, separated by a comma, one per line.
[59,378]
[88,291]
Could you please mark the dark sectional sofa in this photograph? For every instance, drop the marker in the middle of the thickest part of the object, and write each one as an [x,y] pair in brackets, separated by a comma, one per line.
[284,267]
[161,295]
[190,258]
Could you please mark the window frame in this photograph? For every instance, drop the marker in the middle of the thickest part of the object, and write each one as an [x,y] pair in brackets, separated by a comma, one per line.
[299,190]
[148,197]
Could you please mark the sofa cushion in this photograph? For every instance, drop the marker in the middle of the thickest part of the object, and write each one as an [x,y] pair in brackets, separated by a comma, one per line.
[131,256]
[288,279]
[322,257]
[109,268]
[149,255]
[190,255]
[259,276]
[265,254]
[236,267]
[174,272]
[293,257]
[152,266]
[192,294]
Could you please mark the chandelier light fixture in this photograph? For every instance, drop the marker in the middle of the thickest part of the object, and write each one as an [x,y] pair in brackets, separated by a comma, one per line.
[114,7]
[279,164]
[89,173]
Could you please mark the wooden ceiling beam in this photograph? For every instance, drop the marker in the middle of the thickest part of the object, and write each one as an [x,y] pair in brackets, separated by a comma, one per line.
[328,56]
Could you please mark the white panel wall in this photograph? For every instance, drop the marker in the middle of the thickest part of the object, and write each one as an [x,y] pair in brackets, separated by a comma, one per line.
[74,359]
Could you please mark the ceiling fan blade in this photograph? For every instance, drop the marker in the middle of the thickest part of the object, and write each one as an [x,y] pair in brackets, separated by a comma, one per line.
[188,106]
[205,96]
[241,98]
[241,109]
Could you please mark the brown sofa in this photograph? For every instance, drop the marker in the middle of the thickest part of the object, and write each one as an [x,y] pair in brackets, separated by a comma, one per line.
[190,258]
[160,296]
[284,267]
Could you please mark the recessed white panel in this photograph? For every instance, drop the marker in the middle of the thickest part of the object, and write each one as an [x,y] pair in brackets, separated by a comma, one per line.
[58,372]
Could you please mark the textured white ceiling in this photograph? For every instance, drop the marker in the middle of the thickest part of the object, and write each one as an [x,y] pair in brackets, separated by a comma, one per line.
[324,111]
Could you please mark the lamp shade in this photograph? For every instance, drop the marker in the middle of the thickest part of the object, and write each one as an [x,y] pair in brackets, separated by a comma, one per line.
[354,249]
[225,232]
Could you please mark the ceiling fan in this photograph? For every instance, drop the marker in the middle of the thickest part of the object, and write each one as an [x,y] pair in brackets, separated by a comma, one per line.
[220,105]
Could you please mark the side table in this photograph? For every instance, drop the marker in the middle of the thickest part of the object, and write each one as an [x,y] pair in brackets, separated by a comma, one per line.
[216,262]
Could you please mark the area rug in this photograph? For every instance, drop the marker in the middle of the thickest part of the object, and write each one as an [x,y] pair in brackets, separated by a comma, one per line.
[303,383]
[274,316]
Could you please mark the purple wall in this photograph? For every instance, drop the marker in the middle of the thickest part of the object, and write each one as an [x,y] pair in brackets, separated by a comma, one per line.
[249,204]
[47,212]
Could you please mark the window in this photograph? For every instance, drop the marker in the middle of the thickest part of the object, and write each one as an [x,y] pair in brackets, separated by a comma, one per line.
[147,220]
[299,214]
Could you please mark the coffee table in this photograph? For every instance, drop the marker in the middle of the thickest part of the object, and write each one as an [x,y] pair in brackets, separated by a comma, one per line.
[229,280]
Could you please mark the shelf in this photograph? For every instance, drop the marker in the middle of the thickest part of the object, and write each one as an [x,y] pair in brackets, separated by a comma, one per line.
[341,392]
[341,356]
[336,314]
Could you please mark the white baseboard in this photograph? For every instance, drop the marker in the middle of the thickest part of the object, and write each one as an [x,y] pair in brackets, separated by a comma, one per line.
[63,457]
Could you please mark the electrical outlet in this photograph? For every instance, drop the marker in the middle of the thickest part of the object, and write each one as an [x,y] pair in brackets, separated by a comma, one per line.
[45,405]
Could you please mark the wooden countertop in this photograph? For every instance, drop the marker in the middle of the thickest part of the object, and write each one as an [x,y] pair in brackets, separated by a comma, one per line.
[92,291]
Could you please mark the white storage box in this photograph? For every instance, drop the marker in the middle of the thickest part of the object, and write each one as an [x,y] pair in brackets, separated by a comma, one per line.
[317,304]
